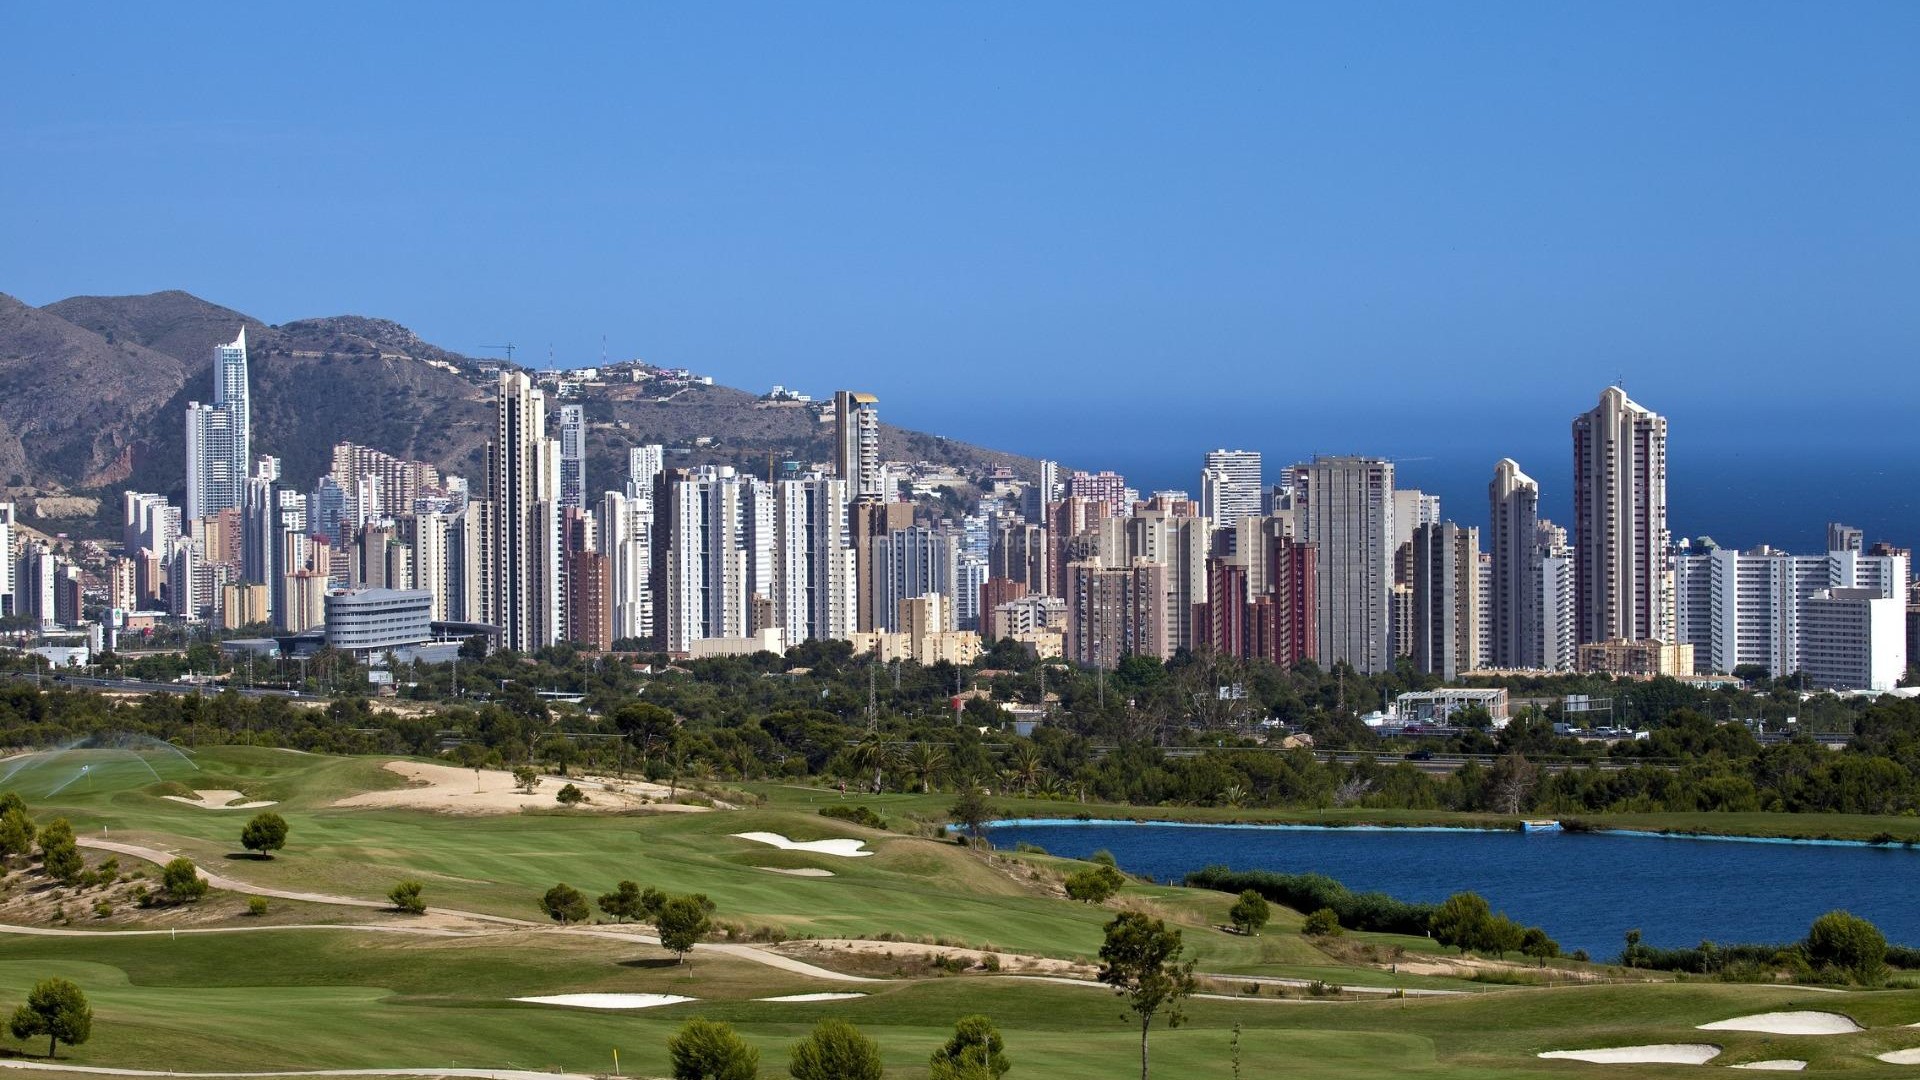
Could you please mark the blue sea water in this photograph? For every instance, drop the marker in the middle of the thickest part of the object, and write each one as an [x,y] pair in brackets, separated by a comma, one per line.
[1586,889]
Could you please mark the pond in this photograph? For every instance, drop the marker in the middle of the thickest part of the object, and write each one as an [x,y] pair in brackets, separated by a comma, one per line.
[1585,889]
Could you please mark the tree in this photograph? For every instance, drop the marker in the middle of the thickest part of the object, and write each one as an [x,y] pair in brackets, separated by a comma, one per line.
[57,1009]
[709,1050]
[682,922]
[1511,783]
[835,1050]
[1094,884]
[873,751]
[182,881]
[1463,921]
[1322,923]
[925,763]
[265,834]
[1503,936]
[1839,941]
[1140,959]
[972,811]
[406,898]
[645,725]
[1535,943]
[16,829]
[623,902]
[568,795]
[976,1052]
[564,904]
[59,854]
[526,778]
[1251,912]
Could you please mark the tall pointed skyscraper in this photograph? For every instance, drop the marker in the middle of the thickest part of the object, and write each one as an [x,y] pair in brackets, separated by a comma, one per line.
[856,450]
[573,457]
[1623,580]
[219,436]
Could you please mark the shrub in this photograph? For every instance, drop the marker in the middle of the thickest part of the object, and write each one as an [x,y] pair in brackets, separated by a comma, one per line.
[859,815]
[1322,923]
[835,1050]
[102,909]
[256,906]
[568,795]
[709,1050]
[1311,892]
[182,882]
[1094,884]
[406,898]
[1846,943]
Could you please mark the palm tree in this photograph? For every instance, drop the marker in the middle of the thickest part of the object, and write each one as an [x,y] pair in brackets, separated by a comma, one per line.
[1025,766]
[874,752]
[925,762]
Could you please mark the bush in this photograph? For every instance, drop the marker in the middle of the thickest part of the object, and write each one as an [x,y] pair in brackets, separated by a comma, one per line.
[59,853]
[859,815]
[1846,943]
[568,795]
[406,898]
[1322,923]
[256,906]
[1311,892]
[1094,884]
[182,882]
[102,909]
[835,1050]
[709,1050]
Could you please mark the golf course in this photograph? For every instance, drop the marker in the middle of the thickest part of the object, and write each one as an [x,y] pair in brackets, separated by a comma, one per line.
[297,960]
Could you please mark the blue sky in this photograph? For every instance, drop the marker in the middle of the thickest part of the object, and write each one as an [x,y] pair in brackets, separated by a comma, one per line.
[1090,230]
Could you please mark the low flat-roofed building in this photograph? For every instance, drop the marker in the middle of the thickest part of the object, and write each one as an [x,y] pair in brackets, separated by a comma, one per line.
[1642,659]
[1439,706]
[369,621]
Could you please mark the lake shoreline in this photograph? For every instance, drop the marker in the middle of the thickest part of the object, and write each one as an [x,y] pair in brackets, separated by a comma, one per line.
[1415,824]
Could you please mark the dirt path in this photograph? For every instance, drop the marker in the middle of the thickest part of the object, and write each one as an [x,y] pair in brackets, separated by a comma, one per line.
[478,1074]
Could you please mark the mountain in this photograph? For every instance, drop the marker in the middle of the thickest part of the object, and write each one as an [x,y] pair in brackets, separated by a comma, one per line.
[93,391]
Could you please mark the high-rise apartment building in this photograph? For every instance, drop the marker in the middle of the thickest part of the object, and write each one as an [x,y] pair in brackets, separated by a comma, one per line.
[1748,609]
[1104,486]
[1230,486]
[644,463]
[9,598]
[219,446]
[1517,594]
[856,451]
[626,531]
[915,561]
[523,482]
[573,457]
[1116,611]
[1344,507]
[1844,537]
[1623,584]
[713,549]
[1853,639]
[813,583]
[381,485]
[1446,599]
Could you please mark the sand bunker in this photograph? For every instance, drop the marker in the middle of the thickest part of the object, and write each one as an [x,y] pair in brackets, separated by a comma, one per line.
[218,800]
[1901,1057]
[813,997]
[607,1001]
[1655,1054]
[1775,1065]
[454,790]
[846,849]
[798,871]
[1788,1023]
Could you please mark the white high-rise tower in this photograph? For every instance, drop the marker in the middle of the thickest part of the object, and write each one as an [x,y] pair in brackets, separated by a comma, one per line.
[1230,486]
[1623,578]
[219,436]
[523,484]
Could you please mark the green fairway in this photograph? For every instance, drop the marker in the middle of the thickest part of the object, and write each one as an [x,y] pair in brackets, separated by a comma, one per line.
[289,998]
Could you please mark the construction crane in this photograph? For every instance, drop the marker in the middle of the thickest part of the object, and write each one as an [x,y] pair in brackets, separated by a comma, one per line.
[507,348]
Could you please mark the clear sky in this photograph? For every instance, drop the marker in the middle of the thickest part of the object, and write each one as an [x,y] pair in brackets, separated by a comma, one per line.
[1090,230]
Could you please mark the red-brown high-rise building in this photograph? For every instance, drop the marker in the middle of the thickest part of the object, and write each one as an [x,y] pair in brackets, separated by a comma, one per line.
[589,606]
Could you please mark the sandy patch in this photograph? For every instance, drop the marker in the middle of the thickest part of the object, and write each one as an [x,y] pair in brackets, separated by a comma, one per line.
[844,848]
[1655,1054]
[813,997]
[1901,1057]
[1775,1065]
[796,871]
[607,1001]
[1788,1023]
[454,790]
[215,799]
